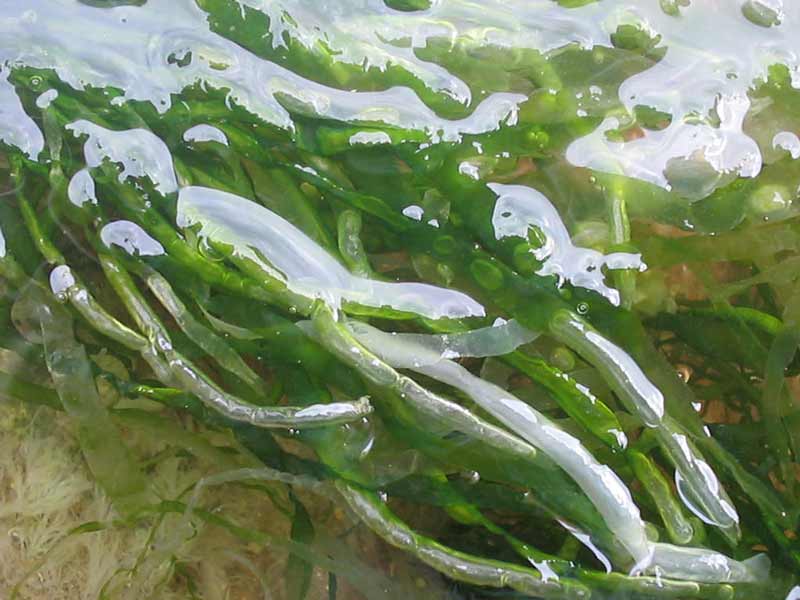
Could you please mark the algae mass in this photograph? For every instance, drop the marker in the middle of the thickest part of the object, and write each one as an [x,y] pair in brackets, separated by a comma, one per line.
[399,299]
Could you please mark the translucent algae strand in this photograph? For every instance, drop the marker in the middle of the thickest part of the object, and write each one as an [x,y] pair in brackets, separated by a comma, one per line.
[457,565]
[171,365]
[608,493]
[708,498]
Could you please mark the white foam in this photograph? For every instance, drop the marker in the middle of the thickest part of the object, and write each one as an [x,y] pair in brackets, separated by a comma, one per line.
[45,99]
[16,127]
[715,51]
[61,279]
[81,188]
[205,133]
[518,208]
[140,151]
[131,238]
[787,140]
[156,50]
[370,138]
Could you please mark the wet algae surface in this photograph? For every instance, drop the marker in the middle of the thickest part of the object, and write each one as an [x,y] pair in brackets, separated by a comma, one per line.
[399,299]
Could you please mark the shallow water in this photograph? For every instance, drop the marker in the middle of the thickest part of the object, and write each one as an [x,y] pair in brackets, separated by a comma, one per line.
[216,196]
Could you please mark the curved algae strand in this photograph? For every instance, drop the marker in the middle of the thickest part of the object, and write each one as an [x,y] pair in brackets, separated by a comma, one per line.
[678,527]
[316,415]
[30,217]
[644,399]
[574,398]
[171,366]
[178,369]
[624,375]
[697,484]
[108,458]
[341,342]
[201,335]
[495,340]
[603,487]
[454,564]
[351,248]
[609,494]
[67,287]
[707,566]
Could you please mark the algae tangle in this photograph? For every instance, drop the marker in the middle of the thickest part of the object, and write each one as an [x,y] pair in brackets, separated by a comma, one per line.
[365,299]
